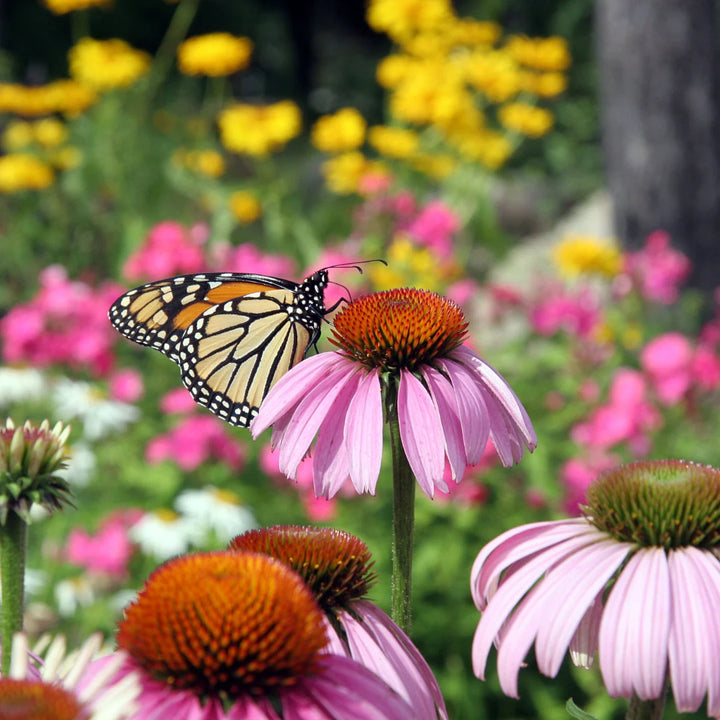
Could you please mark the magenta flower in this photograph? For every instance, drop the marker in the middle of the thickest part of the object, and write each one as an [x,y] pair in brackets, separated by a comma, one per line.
[231,258]
[404,346]
[576,313]
[636,580]
[337,567]
[239,636]
[108,551]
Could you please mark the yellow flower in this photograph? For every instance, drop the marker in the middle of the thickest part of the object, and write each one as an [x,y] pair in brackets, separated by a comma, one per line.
[215,54]
[340,132]
[494,73]
[50,132]
[206,162]
[64,96]
[468,31]
[488,147]
[525,119]
[402,18]
[585,255]
[70,97]
[61,7]
[547,85]
[344,172]
[259,129]
[66,157]
[434,166]
[106,64]
[547,54]
[393,141]
[17,135]
[409,266]
[245,207]
[20,172]
[393,69]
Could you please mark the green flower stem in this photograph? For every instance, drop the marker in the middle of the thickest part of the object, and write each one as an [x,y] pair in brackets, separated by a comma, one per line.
[13,544]
[647,709]
[403,521]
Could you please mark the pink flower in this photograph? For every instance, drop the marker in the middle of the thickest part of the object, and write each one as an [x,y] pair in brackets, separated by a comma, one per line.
[178,400]
[559,310]
[109,551]
[667,361]
[450,413]
[706,368]
[169,249]
[247,258]
[337,568]
[239,636]
[195,440]
[657,270]
[628,416]
[64,324]
[643,592]
[578,474]
[434,228]
[126,386]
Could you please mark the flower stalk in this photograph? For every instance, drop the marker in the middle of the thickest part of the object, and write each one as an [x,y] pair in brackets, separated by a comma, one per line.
[13,547]
[403,519]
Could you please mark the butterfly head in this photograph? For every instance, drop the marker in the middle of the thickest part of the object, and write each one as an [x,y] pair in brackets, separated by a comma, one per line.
[310,294]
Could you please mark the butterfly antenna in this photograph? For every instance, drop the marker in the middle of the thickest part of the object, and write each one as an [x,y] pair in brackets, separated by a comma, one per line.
[354,265]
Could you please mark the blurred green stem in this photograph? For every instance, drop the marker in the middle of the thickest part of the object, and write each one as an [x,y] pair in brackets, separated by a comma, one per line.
[403,519]
[13,544]
[79,25]
[165,56]
[647,709]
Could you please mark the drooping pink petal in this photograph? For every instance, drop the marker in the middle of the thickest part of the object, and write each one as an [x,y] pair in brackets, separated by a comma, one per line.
[421,433]
[308,416]
[692,649]
[446,403]
[293,387]
[711,578]
[363,435]
[472,411]
[583,645]
[633,641]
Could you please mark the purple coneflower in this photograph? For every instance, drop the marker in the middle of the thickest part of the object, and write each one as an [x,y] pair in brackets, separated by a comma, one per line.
[637,579]
[78,686]
[401,349]
[337,567]
[239,636]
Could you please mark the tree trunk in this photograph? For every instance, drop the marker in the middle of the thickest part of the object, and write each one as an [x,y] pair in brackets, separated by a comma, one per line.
[659,64]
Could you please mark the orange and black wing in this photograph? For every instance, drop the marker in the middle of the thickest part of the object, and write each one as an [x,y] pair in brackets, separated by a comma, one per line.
[159,313]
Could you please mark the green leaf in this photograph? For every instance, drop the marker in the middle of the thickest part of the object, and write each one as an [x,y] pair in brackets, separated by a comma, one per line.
[574,711]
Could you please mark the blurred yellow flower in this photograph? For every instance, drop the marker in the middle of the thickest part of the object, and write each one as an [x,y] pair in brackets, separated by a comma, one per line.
[20,172]
[488,147]
[393,141]
[18,134]
[434,166]
[107,64]
[587,255]
[205,162]
[545,54]
[547,84]
[64,96]
[50,132]
[65,158]
[468,31]
[525,119]
[60,7]
[402,18]
[344,172]
[393,69]
[214,54]
[245,207]
[493,73]
[339,132]
[409,266]
[259,129]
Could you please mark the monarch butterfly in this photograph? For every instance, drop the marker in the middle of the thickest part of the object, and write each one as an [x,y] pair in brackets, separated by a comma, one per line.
[232,334]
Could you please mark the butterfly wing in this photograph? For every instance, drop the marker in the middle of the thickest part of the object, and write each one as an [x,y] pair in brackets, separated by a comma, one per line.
[234,353]
[159,313]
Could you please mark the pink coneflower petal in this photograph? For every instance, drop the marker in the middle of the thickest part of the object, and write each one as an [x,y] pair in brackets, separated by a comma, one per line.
[307,418]
[364,432]
[421,433]
[583,645]
[692,652]
[472,409]
[447,408]
[330,460]
[633,641]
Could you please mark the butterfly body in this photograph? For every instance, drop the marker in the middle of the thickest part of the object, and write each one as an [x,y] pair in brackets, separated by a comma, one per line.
[232,334]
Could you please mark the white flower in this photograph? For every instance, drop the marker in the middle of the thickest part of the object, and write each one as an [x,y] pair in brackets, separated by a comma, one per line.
[164,534]
[81,465]
[216,510]
[99,416]
[20,384]
[73,594]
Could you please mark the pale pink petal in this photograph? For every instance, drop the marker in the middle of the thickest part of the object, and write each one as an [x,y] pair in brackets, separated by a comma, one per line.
[308,416]
[521,542]
[446,404]
[472,411]
[695,627]
[633,641]
[363,435]
[711,578]
[293,387]
[583,645]
[420,432]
